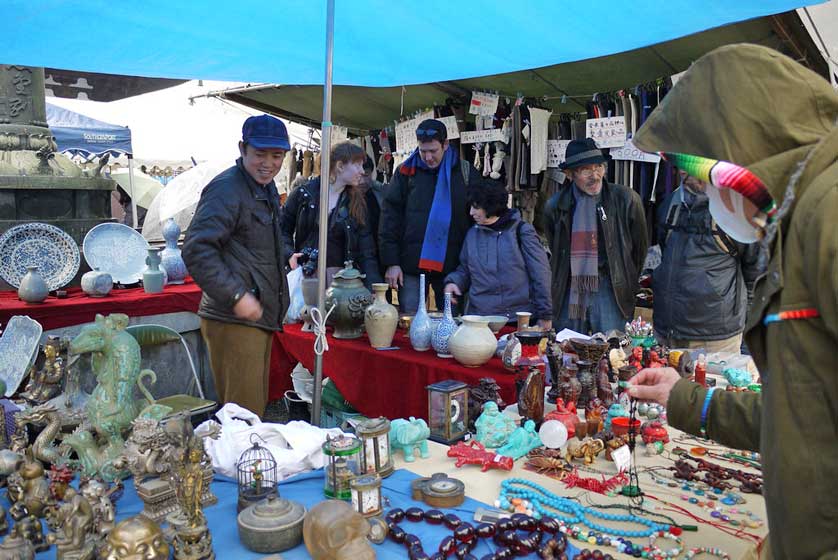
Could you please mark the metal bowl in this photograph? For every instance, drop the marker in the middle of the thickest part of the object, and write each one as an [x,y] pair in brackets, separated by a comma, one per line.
[405,320]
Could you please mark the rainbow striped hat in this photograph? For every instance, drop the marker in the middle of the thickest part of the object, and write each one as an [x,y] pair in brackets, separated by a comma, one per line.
[726,175]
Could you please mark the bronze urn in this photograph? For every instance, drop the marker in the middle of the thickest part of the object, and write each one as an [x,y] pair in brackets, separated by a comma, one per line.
[350,298]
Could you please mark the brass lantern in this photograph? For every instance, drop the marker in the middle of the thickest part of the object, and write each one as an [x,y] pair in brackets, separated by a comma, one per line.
[366,494]
[344,463]
[375,439]
[448,410]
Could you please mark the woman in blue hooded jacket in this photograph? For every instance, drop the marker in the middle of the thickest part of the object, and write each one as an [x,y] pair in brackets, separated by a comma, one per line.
[503,265]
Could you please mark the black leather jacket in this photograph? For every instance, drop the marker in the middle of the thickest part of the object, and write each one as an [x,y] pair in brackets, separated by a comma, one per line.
[234,246]
[623,225]
[299,224]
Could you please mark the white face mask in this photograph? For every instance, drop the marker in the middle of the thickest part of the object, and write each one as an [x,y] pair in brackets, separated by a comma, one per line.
[734,223]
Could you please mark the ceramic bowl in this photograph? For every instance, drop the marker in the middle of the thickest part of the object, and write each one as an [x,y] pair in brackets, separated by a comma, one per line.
[496,322]
[620,426]
[405,320]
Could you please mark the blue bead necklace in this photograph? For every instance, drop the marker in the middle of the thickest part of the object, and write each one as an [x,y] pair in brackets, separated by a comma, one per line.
[541,499]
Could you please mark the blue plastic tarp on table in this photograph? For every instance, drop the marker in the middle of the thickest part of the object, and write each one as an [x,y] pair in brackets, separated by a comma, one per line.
[377,43]
[307,488]
[77,133]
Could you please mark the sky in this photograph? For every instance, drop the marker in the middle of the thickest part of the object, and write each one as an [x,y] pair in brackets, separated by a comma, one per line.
[166,126]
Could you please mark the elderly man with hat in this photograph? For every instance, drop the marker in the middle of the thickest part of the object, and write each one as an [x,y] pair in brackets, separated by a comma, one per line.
[597,236]
[425,216]
[233,250]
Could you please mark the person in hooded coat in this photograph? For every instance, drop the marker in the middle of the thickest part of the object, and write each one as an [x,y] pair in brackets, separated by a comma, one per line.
[761,130]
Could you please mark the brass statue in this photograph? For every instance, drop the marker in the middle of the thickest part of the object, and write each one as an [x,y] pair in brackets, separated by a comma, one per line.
[192,540]
[29,488]
[135,538]
[45,383]
[99,496]
[73,520]
[16,547]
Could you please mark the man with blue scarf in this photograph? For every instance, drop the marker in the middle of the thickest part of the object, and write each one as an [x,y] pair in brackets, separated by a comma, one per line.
[424,217]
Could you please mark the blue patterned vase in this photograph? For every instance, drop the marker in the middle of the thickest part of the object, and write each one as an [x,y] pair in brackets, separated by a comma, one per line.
[171,259]
[421,327]
[444,330]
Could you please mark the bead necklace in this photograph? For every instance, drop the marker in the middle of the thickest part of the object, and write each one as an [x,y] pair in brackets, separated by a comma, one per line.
[718,513]
[465,536]
[734,532]
[540,499]
[700,489]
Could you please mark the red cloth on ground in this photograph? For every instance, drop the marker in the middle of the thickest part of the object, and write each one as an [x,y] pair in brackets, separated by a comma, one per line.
[78,308]
[389,383]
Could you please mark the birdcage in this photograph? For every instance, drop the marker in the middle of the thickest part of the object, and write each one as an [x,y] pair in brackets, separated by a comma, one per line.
[256,474]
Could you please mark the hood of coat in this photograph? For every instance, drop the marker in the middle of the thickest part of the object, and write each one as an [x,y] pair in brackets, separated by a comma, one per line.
[509,219]
[752,106]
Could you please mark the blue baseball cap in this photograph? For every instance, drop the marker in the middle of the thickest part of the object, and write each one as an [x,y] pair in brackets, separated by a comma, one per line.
[265,131]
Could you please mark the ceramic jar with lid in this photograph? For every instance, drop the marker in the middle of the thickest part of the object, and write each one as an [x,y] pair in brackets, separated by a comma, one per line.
[350,298]
[272,525]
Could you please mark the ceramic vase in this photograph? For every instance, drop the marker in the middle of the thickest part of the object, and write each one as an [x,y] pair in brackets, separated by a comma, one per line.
[171,259]
[473,344]
[154,277]
[381,318]
[444,330]
[33,288]
[96,283]
[420,326]
[309,286]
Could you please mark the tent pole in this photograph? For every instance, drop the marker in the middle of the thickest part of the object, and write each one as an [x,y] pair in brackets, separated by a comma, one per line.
[325,148]
[131,187]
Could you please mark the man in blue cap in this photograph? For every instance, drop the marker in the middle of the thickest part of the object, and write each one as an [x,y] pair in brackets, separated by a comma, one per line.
[233,250]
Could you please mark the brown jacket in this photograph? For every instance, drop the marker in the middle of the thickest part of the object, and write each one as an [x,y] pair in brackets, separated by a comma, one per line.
[755,107]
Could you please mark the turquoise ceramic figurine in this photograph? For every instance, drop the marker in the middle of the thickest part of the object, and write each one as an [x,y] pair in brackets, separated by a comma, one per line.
[493,427]
[522,441]
[614,411]
[111,407]
[407,435]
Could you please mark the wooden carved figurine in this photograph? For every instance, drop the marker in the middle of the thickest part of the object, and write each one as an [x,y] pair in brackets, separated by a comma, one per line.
[603,383]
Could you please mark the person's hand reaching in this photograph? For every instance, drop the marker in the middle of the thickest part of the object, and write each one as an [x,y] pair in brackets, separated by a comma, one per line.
[653,385]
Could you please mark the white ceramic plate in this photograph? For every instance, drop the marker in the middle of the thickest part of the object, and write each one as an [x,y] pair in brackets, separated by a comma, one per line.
[118,250]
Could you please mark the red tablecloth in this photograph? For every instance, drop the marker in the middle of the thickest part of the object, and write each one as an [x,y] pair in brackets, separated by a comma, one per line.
[78,308]
[388,383]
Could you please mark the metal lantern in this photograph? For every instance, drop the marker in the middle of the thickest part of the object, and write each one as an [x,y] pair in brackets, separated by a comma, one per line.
[344,455]
[448,410]
[366,494]
[256,474]
[375,437]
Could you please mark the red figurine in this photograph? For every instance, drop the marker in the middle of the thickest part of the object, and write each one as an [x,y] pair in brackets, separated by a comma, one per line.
[473,453]
[636,357]
[566,414]
[654,431]
[59,478]
[655,360]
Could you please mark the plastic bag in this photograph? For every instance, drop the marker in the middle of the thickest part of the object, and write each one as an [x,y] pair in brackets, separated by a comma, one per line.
[295,288]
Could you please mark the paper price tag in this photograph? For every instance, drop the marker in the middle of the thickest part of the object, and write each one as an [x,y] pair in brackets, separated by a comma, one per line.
[491,135]
[451,126]
[622,458]
[556,151]
[630,152]
[609,132]
[483,103]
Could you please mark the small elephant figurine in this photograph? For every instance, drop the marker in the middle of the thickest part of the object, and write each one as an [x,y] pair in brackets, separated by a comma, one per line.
[586,449]
[409,434]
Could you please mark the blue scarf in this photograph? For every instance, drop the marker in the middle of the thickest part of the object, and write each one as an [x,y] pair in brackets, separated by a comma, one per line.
[435,244]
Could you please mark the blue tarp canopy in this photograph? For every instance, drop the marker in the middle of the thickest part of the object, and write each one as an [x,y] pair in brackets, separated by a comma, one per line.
[80,134]
[376,42]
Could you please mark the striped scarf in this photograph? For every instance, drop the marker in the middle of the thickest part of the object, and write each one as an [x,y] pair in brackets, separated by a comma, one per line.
[584,257]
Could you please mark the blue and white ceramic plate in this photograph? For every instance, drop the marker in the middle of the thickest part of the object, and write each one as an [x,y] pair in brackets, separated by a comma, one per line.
[49,248]
[118,250]
[18,350]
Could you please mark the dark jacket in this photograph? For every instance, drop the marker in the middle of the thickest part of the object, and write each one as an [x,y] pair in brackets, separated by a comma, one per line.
[299,224]
[504,270]
[701,285]
[624,228]
[233,246]
[404,217]
[724,108]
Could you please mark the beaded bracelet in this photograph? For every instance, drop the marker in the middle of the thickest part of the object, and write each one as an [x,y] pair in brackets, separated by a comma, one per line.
[707,398]
[692,553]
